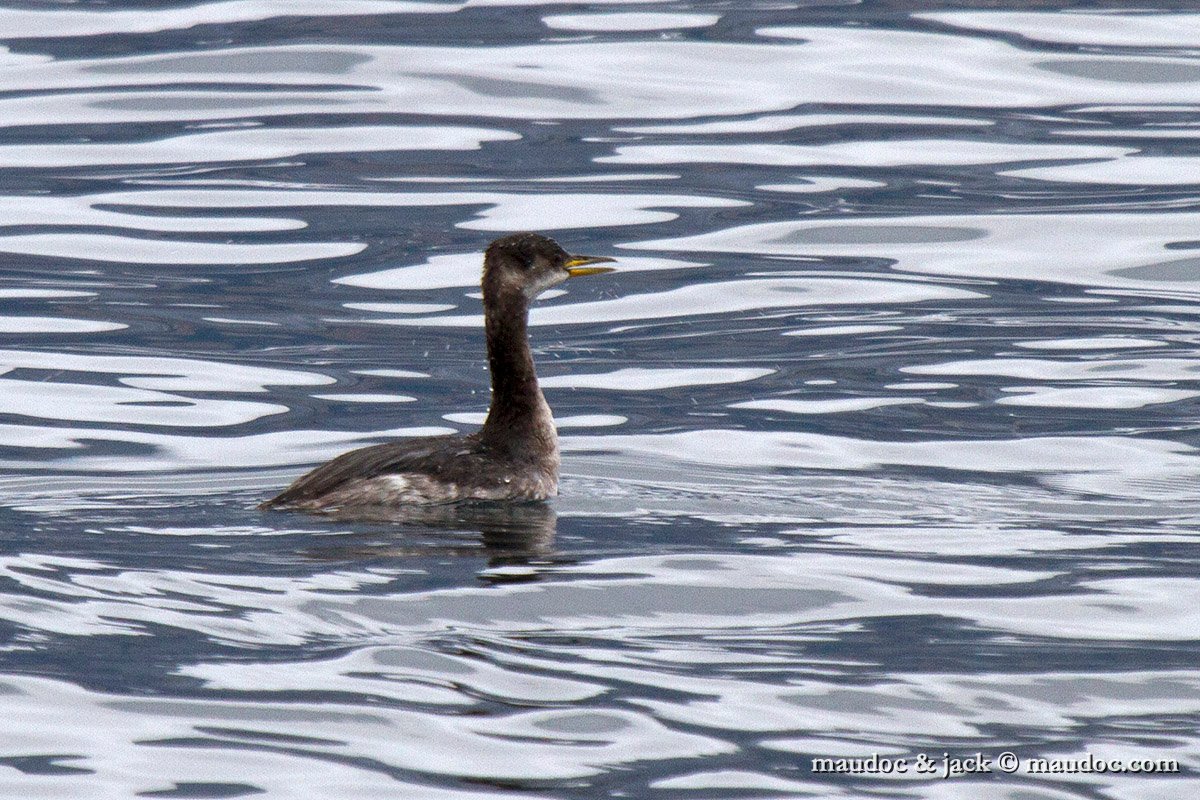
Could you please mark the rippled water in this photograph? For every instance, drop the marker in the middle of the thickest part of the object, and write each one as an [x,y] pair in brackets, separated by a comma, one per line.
[883,441]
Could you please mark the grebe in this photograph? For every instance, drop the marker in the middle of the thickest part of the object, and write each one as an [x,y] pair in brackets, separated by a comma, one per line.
[514,456]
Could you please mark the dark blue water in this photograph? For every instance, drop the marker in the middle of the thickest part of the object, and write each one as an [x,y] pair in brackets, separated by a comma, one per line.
[881,443]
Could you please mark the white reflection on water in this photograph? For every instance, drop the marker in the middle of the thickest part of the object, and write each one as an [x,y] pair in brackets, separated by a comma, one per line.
[91,403]
[1160,369]
[149,393]
[1052,456]
[504,211]
[639,379]
[834,406]
[82,210]
[1093,397]
[180,452]
[1092,343]
[16,23]
[630,21]
[948,152]
[29,324]
[163,373]
[772,123]
[250,145]
[1126,30]
[123,249]
[1140,170]
[1096,249]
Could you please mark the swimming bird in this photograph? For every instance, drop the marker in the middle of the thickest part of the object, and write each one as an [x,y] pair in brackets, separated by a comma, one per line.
[514,456]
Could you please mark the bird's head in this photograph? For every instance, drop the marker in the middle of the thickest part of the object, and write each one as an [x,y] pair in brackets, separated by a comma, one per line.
[530,263]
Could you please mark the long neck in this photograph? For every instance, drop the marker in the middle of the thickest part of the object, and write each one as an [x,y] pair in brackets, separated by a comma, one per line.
[519,415]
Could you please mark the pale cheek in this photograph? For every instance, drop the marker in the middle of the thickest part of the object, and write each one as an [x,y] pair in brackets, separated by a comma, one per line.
[544,283]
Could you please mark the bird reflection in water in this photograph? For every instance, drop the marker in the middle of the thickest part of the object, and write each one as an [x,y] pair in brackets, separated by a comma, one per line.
[507,534]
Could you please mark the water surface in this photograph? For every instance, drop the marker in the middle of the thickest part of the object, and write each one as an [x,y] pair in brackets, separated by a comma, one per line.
[881,442]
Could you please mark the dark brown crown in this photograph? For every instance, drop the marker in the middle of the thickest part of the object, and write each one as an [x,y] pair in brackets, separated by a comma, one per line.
[524,249]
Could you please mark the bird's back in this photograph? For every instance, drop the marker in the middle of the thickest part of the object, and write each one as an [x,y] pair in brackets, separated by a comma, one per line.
[424,471]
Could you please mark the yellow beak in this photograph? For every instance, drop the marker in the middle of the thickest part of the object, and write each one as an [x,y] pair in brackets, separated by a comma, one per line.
[578,265]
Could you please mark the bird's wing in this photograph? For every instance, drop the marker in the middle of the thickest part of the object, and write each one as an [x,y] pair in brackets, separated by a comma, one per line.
[367,462]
